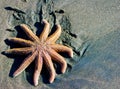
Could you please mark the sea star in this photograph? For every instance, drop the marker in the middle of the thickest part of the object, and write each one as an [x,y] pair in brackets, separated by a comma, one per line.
[41,49]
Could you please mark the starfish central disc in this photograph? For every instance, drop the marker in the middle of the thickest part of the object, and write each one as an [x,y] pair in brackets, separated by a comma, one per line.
[40,47]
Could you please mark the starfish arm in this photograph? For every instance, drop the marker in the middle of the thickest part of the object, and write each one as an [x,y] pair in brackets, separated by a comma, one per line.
[19,51]
[38,68]
[29,33]
[49,65]
[58,58]
[25,64]
[45,31]
[21,41]
[52,38]
[62,48]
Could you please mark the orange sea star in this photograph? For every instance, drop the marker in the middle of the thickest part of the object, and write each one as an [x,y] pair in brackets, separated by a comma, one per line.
[42,49]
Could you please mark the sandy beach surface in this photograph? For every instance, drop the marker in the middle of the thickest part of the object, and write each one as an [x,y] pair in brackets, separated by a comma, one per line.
[90,27]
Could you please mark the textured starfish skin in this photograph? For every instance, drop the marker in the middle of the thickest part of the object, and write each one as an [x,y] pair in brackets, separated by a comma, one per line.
[41,49]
